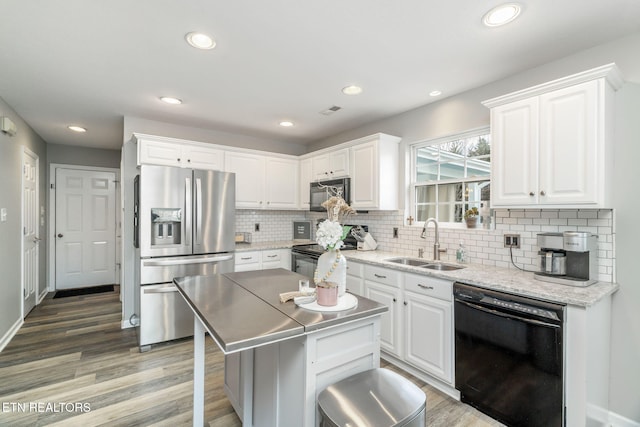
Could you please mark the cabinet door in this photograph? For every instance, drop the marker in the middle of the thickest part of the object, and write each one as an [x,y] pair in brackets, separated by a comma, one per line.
[514,166]
[428,335]
[159,153]
[330,165]
[568,152]
[364,176]
[306,176]
[281,183]
[390,335]
[355,278]
[207,158]
[340,162]
[250,182]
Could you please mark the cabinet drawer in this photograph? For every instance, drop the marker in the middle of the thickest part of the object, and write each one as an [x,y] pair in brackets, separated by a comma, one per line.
[430,286]
[383,275]
[271,256]
[247,257]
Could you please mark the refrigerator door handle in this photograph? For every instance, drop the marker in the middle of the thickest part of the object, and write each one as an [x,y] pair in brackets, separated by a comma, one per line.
[160,290]
[183,261]
[187,211]
[198,214]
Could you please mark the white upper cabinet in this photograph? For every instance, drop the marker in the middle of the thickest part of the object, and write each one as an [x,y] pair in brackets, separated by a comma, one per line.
[375,173]
[263,182]
[332,164]
[552,145]
[178,153]
[306,176]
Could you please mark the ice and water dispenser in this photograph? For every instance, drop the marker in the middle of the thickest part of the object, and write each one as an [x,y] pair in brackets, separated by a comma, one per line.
[166,226]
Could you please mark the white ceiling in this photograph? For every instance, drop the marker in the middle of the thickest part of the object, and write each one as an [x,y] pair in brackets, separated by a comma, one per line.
[93,62]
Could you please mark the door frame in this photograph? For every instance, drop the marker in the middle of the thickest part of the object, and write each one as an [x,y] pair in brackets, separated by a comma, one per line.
[51,265]
[27,151]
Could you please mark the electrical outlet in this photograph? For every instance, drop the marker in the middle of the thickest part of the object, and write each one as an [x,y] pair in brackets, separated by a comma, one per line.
[256,227]
[511,240]
[395,232]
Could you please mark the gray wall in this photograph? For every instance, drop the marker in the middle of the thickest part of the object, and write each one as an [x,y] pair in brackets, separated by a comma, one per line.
[150,127]
[463,112]
[10,231]
[73,155]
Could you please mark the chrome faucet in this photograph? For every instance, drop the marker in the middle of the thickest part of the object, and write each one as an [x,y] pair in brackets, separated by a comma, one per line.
[436,245]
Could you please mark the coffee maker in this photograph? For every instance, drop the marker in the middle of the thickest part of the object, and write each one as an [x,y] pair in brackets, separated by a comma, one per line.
[568,258]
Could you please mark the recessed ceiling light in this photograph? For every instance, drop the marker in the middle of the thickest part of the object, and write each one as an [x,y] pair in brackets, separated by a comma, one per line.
[435,93]
[286,124]
[200,40]
[501,15]
[79,129]
[352,90]
[171,100]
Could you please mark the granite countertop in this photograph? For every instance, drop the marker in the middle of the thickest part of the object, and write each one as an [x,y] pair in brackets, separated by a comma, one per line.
[499,279]
[261,246]
[496,278]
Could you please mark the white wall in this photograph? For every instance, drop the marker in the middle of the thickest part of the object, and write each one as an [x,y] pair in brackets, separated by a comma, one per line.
[10,231]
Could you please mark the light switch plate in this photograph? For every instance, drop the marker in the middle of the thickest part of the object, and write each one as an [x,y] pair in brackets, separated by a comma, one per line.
[3,215]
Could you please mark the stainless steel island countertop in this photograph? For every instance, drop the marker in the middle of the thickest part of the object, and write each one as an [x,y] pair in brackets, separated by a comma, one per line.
[243,310]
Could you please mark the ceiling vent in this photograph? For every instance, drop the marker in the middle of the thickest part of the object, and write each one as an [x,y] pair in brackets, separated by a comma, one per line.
[330,110]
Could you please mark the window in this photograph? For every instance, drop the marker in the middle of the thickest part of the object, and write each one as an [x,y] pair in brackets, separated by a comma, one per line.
[451,175]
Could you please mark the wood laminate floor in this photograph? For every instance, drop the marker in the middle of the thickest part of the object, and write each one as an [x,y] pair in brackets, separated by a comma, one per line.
[72,365]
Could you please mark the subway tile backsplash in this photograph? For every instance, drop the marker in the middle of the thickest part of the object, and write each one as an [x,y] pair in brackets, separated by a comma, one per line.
[484,246]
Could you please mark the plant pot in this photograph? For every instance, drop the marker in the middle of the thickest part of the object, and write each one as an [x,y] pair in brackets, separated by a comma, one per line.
[472,222]
[327,294]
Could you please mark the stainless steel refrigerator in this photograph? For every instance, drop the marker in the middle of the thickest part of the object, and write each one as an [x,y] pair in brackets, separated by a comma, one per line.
[185,225]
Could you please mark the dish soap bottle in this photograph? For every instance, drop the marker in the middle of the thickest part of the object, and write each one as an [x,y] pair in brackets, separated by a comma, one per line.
[461,253]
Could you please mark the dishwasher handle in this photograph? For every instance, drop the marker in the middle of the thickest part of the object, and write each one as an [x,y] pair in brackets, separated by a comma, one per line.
[508,316]
[181,261]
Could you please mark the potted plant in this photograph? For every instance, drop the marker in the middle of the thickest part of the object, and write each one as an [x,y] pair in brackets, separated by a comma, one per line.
[471,217]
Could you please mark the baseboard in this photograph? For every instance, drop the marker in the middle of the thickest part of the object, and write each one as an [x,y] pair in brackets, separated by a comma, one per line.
[604,417]
[42,296]
[616,420]
[6,339]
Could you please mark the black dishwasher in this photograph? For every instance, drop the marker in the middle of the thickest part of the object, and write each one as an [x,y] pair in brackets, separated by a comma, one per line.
[509,356]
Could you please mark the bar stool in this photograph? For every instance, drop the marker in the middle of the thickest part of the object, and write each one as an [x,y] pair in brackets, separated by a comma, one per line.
[374,398]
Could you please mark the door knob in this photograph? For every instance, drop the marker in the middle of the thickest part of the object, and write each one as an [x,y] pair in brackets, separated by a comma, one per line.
[60,235]
[36,239]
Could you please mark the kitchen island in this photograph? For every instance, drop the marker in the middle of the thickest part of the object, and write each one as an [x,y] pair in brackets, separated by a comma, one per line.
[278,357]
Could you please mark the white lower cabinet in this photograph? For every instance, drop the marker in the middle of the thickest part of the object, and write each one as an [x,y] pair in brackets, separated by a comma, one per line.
[428,317]
[263,260]
[355,278]
[417,331]
[384,286]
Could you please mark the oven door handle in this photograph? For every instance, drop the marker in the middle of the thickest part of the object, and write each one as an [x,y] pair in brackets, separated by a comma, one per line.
[508,316]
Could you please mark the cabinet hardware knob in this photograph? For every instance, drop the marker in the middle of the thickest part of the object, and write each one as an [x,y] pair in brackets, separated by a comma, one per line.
[394,300]
[60,235]
[531,193]
[425,286]
[405,303]
[189,160]
[542,193]
[380,276]
[178,158]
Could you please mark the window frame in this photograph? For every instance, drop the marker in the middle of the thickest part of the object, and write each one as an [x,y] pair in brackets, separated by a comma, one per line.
[413,184]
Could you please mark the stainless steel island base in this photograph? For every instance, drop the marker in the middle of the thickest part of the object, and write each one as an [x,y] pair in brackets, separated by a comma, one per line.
[279,357]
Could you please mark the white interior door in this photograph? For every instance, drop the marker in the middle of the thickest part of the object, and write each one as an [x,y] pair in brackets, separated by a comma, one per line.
[85,228]
[30,231]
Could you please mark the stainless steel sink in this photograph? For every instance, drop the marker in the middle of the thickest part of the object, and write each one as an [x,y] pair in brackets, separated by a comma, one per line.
[442,267]
[425,264]
[408,261]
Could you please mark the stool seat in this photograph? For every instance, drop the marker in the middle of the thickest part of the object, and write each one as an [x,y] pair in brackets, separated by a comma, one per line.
[374,398]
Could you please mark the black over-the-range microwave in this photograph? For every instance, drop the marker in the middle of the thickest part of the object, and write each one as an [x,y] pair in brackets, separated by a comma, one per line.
[320,191]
